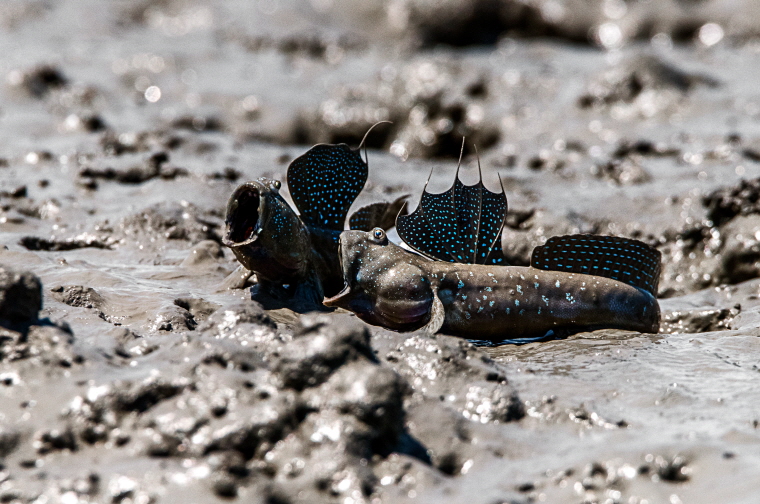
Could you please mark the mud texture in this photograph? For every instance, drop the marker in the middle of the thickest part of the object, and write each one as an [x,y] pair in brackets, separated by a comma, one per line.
[134,367]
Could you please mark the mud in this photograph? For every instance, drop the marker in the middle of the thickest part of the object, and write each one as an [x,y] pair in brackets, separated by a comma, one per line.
[134,368]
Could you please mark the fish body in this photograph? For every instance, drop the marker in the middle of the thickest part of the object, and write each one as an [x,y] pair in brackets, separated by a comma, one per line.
[389,286]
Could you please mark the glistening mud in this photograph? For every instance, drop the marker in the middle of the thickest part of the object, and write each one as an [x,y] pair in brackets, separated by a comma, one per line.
[143,379]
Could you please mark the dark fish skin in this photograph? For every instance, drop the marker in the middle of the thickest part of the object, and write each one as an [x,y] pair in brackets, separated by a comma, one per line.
[389,286]
[268,238]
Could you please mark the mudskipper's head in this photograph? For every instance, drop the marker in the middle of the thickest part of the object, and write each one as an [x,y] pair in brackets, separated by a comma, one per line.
[247,209]
[384,284]
[263,231]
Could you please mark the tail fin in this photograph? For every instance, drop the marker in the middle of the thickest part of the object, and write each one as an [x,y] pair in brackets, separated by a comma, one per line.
[623,259]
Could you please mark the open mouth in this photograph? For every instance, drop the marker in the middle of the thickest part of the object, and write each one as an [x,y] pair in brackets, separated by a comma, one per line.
[243,218]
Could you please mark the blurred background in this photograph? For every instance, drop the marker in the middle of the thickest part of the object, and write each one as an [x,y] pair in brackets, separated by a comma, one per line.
[500,72]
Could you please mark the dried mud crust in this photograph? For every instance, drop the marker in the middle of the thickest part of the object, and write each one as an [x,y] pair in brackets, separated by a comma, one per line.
[321,413]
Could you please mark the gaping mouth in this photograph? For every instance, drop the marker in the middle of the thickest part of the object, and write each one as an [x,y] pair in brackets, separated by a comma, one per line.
[243,216]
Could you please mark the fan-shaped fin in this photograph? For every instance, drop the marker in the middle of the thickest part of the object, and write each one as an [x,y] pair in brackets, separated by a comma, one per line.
[324,182]
[622,259]
[461,225]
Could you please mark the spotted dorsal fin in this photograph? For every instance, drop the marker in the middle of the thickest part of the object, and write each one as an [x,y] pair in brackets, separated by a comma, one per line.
[461,225]
[381,214]
[324,182]
[623,259]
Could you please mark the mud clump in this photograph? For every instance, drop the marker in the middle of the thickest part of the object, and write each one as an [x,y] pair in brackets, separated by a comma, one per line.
[622,172]
[164,221]
[309,413]
[700,320]
[23,337]
[59,244]
[39,81]
[723,249]
[154,166]
[484,22]
[642,86]
[79,296]
[726,203]
[321,350]
[39,345]
[20,296]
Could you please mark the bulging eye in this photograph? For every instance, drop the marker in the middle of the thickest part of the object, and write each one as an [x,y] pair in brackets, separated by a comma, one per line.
[378,234]
[276,184]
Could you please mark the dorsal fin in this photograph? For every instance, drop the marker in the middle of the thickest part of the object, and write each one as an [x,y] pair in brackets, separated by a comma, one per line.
[381,214]
[623,259]
[324,182]
[461,225]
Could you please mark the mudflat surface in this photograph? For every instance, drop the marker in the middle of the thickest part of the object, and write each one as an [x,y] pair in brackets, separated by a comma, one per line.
[124,127]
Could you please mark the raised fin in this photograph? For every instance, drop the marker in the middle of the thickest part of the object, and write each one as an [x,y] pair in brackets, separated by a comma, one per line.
[382,214]
[623,259]
[437,316]
[324,182]
[461,225]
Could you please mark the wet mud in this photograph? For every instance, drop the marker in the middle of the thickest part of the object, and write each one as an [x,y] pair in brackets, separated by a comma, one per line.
[135,369]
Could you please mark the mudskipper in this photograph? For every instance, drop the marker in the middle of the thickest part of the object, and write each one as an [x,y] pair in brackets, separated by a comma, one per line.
[459,282]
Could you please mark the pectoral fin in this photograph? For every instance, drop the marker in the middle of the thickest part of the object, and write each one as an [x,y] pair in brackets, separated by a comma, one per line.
[437,316]
[235,280]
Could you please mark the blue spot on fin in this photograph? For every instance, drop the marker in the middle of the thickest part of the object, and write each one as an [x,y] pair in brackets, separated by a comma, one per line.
[324,182]
[623,259]
[462,225]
